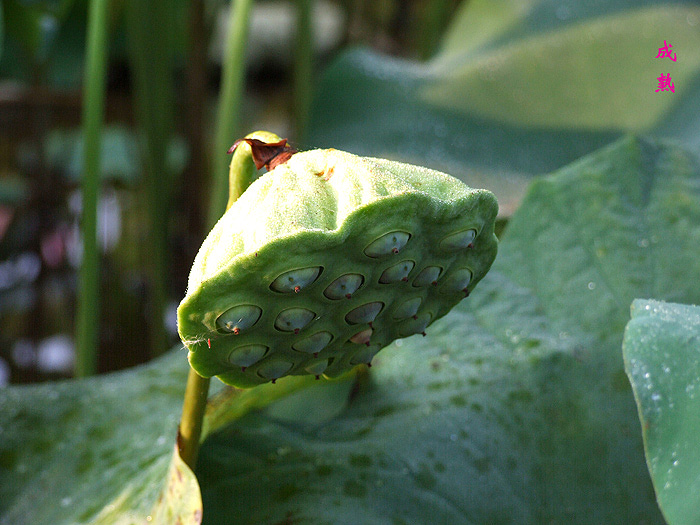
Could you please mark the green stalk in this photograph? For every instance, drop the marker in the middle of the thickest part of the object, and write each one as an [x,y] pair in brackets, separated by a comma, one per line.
[87,330]
[228,114]
[150,54]
[242,170]
[303,66]
[193,407]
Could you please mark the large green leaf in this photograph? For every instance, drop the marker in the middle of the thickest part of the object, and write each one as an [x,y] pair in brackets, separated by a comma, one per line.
[68,450]
[100,450]
[662,358]
[519,88]
[515,408]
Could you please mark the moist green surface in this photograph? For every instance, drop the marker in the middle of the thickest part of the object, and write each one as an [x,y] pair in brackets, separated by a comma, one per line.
[323,215]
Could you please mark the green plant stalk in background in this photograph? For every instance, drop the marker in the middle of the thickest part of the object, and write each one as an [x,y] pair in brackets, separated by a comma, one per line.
[2,32]
[151,63]
[88,314]
[432,26]
[233,72]
[303,66]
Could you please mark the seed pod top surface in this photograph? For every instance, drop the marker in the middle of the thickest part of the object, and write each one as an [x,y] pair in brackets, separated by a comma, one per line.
[328,258]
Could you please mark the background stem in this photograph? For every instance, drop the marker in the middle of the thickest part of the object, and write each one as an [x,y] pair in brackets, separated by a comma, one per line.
[228,115]
[88,312]
[303,66]
[150,57]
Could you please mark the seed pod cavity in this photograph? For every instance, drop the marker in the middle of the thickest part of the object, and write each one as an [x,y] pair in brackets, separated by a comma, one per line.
[397,272]
[293,319]
[407,308]
[387,244]
[344,286]
[238,318]
[457,281]
[314,343]
[295,280]
[365,355]
[365,313]
[274,369]
[317,367]
[458,241]
[415,325]
[428,275]
[362,338]
[245,356]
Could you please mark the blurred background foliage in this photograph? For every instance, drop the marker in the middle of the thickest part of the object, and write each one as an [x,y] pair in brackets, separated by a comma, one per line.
[164,74]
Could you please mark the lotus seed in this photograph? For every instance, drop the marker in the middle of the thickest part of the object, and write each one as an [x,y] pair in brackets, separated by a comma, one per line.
[316,368]
[397,272]
[365,355]
[293,319]
[344,286]
[245,356]
[407,308]
[295,280]
[458,241]
[416,325]
[458,281]
[388,243]
[274,369]
[362,337]
[313,344]
[428,275]
[365,313]
[239,318]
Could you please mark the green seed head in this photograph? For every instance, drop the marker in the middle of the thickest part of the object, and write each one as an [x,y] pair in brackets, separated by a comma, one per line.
[328,258]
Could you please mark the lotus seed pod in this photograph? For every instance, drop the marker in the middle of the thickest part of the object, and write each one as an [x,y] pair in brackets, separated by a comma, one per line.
[328,258]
